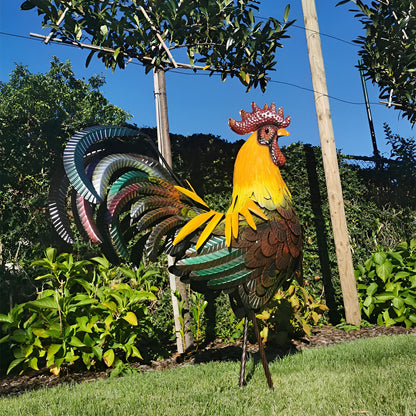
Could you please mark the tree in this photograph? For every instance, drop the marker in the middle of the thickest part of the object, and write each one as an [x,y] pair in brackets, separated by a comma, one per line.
[221,35]
[388,50]
[38,114]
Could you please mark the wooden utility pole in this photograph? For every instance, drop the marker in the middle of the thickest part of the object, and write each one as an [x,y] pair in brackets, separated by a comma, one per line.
[329,155]
[163,141]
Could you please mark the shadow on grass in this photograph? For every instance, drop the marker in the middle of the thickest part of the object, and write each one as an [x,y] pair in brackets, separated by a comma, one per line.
[209,353]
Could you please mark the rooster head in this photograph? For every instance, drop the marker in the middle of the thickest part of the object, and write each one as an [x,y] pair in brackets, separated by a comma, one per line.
[268,124]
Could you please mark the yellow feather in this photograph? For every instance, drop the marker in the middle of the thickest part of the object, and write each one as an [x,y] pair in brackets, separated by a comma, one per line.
[192,194]
[255,209]
[228,229]
[208,229]
[246,214]
[234,223]
[192,225]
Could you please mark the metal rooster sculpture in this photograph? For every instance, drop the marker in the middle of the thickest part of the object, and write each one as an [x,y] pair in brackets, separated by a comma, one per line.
[131,205]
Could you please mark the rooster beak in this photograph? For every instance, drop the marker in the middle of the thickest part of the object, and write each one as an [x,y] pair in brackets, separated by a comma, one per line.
[282,132]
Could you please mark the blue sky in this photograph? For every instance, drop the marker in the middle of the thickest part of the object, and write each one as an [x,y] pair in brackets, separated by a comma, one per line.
[202,104]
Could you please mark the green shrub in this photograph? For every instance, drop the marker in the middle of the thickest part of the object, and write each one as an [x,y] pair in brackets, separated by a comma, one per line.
[86,313]
[387,286]
[291,313]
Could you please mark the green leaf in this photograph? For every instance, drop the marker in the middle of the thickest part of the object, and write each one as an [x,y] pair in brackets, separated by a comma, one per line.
[102,261]
[398,303]
[116,53]
[131,318]
[15,363]
[108,321]
[401,275]
[135,352]
[98,352]
[88,60]
[372,288]
[128,272]
[6,318]
[70,357]
[396,256]
[286,15]
[41,332]
[5,339]
[47,303]
[51,254]
[384,296]
[110,305]
[28,349]
[33,363]
[27,5]
[52,350]
[380,257]
[86,358]
[368,301]
[108,357]
[388,321]
[76,342]
[368,264]
[384,270]
[411,301]
[19,335]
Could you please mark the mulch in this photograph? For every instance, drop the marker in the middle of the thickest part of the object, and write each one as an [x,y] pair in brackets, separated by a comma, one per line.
[215,351]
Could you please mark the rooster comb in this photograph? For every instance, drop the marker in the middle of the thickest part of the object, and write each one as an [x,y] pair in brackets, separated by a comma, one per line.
[257,118]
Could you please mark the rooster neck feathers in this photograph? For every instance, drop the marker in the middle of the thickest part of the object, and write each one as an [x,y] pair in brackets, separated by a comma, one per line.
[256,177]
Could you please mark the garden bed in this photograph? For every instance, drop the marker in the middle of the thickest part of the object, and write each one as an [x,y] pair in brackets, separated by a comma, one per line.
[215,351]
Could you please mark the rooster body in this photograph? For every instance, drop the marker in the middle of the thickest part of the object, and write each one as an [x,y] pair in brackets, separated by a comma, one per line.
[131,204]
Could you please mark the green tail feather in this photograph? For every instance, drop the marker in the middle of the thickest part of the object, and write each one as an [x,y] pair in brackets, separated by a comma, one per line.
[222,270]
[231,281]
[123,181]
[205,261]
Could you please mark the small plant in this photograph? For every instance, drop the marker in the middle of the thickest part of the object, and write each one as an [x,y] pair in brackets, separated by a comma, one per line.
[181,317]
[86,313]
[387,286]
[198,305]
[290,313]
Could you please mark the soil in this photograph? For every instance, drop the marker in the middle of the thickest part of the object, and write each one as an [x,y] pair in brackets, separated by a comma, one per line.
[215,351]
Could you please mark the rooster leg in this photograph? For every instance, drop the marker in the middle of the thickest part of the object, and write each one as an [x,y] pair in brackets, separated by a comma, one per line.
[242,381]
[262,352]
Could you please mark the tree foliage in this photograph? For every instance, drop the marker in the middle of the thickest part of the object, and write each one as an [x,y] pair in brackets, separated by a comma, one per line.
[218,35]
[388,50]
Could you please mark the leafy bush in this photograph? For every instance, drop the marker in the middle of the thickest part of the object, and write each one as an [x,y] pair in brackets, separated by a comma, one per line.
[387,286]
[290,314]
[85,313]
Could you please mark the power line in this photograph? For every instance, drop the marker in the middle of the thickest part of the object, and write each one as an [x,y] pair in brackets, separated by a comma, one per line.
[327,35]
[290,84]
[16,36]
[320,33]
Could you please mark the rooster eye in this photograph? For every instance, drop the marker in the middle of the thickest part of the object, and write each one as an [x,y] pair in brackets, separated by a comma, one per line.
[266,134]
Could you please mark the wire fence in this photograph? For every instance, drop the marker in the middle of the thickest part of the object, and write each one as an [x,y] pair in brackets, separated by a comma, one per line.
[367,162]
[390,181]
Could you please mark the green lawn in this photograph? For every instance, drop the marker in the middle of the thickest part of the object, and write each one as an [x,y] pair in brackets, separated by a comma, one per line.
[366,377]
